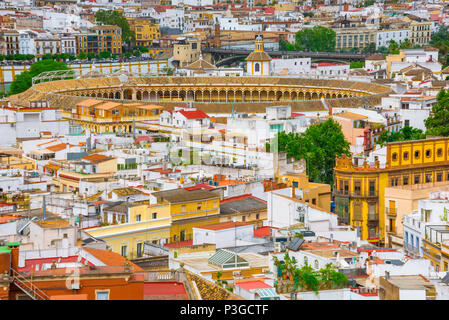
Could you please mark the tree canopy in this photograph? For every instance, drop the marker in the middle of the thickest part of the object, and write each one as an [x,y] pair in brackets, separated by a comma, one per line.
[116,18]
[24,80]
[437,124]
[404,134]
[319,145]
[316,39]
[440,40]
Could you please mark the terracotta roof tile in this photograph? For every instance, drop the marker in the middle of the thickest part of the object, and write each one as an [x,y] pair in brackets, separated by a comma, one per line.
[111,258]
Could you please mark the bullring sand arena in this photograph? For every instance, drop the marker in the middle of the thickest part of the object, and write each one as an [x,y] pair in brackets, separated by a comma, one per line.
[210,94]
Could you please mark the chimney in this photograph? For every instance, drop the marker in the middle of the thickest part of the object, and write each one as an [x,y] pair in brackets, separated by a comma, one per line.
[293,192]
[14,247]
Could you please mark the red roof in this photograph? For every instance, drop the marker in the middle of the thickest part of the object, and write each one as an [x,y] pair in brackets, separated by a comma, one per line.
[254,284]
[164,288]
[243,196]
[196,114]
[178,244]
[328,64]
[263,232]
[200,186]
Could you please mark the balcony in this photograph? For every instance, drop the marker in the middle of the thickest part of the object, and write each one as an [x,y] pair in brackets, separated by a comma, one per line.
[370,194]
[373,217]
[391,212]
[341,193]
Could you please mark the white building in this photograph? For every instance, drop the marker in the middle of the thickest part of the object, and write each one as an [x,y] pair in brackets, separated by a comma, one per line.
[330,69]
[425,223]
[295,66]
[224,234]
[18,124]
[384,37]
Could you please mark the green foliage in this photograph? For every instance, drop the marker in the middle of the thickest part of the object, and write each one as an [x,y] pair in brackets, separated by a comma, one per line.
[393,47]
[17,57]
[105,55]
[316,39]
[406,44]
[308,14]
[82,56]
[111,17]
[354,50]
[404,134]
[319,145]
[357,64]
[136,53]
[143,49]
[383,50]
[438,123]
[440,40]
[286,46]
[24,80]
[167,70]
[371,48]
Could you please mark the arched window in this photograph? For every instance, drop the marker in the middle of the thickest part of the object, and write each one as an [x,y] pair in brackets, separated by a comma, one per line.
[305,260]
[316,264]
[257,67]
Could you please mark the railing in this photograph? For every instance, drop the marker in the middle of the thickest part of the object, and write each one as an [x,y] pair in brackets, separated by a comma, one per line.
[341,193]
[28,287]
[154,276]
[390,211]
[411,248]
[370,194]
[373,217]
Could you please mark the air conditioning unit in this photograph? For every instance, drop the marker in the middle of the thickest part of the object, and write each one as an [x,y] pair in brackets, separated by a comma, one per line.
[75,285]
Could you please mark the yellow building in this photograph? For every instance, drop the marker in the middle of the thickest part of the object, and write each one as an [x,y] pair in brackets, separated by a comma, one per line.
[169,220]
[189,209]
[186,49]
[146,32]
[101,116]
[146,223]
[318,194]
[360,191]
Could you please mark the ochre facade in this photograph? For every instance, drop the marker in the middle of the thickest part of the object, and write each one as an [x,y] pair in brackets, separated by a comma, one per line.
[360,191]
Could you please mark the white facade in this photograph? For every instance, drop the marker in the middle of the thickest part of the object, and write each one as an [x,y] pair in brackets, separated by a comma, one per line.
[384,37]
[223,238]
[296,66]
[30,124]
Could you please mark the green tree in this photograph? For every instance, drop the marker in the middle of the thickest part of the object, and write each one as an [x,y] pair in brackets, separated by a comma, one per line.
[105,55]
[438,123]
[116,18]
[82,56]
[144,49]
[393,47]
[356,64]
[404,134]
[316,39]
[354,50]
[383,50]
[24,80]
[319,145]
[167,70]
[406,44]
[371,48]
[440,40]
[137,53]
[286,46]
[91,55]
